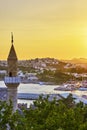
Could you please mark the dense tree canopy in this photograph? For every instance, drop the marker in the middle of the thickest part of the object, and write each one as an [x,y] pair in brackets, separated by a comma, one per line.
[62,114]
[57,77]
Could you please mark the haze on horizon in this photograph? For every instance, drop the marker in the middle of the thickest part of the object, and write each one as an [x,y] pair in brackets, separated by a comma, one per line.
[48,28]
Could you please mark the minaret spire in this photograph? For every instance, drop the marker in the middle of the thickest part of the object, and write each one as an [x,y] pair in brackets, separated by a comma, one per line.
[12,81]
[12,38]
[12,54]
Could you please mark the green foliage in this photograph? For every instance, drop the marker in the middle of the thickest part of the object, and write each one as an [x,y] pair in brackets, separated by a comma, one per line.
[63,114]
[8,119]
[5,114]
[61,77]
[57,77]
[26,69]
[3,67]
[78,70]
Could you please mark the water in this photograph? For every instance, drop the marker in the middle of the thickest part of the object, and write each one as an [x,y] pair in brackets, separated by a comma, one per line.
[42,89]
[36,88]
[45,89]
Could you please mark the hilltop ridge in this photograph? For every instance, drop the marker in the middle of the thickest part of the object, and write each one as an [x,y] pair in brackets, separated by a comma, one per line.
[76,61]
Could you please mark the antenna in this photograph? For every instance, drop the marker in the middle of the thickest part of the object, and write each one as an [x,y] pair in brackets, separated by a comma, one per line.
[12,38]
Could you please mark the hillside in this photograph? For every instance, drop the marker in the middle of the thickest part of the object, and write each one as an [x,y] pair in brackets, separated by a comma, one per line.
[76,61]
[82,62]
[51,64]
[46,70]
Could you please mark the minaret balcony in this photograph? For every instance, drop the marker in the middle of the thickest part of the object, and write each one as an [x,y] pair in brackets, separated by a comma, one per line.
[12,80]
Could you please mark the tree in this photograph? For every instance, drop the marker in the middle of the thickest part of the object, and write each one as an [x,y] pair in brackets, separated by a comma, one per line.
[63,114]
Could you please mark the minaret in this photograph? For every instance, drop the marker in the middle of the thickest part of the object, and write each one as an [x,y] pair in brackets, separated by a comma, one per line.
[12,81]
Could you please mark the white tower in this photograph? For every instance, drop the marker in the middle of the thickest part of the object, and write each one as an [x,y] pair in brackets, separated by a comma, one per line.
[12,81]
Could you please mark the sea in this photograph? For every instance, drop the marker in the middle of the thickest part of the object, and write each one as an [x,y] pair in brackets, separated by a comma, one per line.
[45,89]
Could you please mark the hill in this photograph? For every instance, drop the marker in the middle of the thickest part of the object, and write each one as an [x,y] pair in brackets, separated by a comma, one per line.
[82,62]
[76,61]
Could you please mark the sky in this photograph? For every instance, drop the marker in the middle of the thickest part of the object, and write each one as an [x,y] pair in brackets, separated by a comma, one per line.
[44,28]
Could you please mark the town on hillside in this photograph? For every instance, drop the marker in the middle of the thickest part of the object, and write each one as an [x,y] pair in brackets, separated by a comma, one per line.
[47,71]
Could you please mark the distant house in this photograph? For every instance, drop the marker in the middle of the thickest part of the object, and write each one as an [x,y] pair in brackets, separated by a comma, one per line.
[3,72]
[32,77]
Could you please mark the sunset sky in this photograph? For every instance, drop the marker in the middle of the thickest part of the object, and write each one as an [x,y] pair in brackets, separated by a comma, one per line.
[44,28]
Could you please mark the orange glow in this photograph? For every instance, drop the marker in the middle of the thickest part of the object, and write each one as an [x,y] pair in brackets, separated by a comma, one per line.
[49,28]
